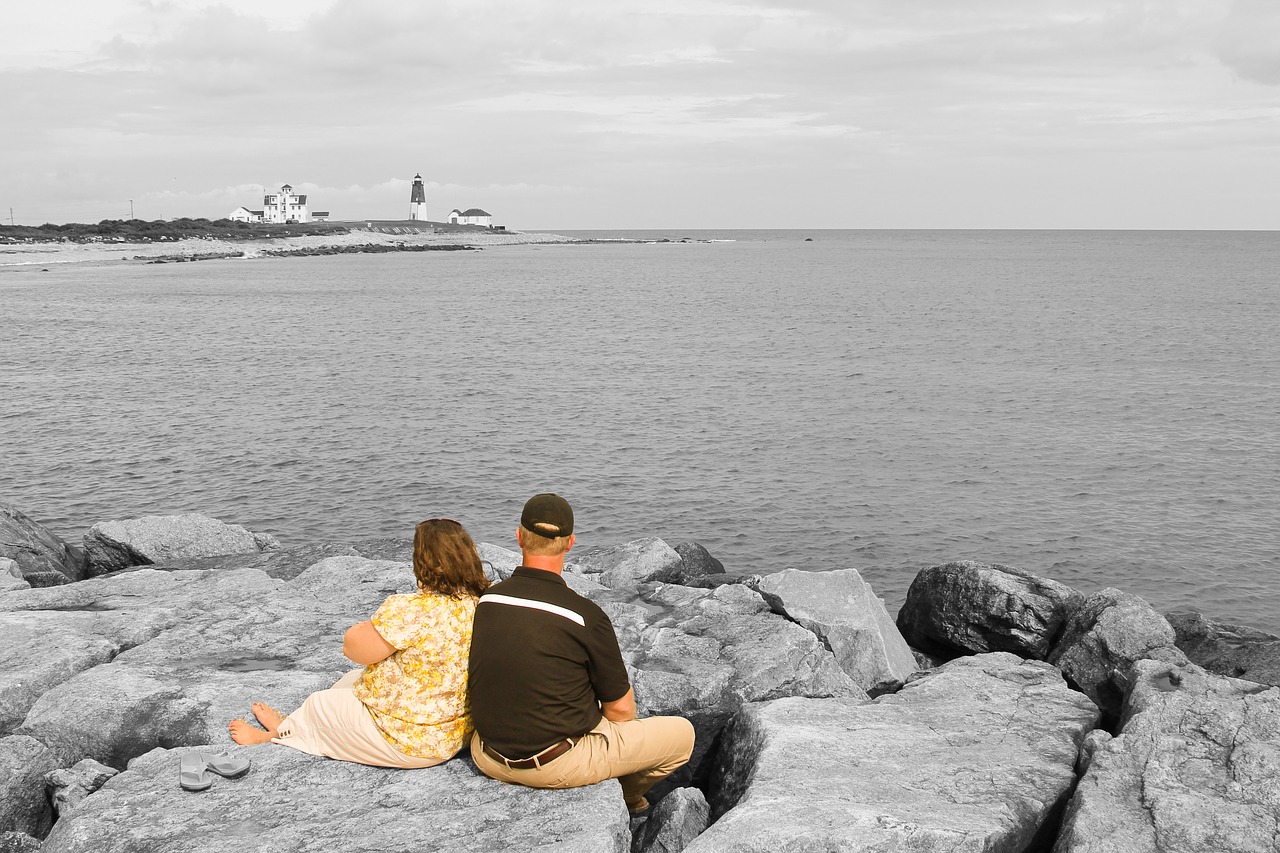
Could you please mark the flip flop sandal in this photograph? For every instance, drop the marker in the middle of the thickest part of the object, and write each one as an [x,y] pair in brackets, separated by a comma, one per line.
[225,764]
[191,773]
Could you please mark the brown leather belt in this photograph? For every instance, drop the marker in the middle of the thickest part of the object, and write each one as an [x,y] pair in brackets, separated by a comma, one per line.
[542,759]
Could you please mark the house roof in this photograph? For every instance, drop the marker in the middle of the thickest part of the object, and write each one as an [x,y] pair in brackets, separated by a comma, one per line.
[475,211]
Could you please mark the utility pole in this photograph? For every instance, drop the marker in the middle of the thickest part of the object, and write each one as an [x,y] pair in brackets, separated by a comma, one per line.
[11,217]
[130,208]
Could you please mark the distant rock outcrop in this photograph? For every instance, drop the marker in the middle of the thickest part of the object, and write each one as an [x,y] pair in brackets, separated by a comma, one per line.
[976,755]
[43,559]
[114,545]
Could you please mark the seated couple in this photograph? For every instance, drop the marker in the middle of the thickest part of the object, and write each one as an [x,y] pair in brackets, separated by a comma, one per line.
[535,666]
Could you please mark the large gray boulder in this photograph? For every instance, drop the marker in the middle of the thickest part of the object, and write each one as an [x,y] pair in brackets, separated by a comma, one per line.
[969,607]
[242,637]
[288,563]
[53,633]
[842,611]
[1232,650]
[629,564]
[24,807]
[675,822]
[702,653]
[975,756]
[68,786]
[290,801]
[18,842]
[699,565]
[1195,769]
[11,576]
[43,559]
[498,563]
[1106,635]
[114,545]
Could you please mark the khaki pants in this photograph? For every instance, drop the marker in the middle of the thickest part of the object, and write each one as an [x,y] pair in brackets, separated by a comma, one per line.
[638,753]
[335,724]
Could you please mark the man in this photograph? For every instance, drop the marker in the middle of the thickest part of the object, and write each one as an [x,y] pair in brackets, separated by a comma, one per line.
[550,697]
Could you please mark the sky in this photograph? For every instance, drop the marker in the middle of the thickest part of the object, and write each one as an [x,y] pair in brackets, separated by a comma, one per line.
[567,114]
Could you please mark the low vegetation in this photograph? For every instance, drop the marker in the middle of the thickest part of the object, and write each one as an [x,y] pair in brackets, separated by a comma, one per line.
[159,230]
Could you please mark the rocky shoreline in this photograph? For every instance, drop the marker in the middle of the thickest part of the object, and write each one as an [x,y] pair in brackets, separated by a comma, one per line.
[1000,711]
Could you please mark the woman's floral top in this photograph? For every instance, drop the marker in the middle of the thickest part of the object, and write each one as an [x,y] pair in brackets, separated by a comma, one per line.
[418,695]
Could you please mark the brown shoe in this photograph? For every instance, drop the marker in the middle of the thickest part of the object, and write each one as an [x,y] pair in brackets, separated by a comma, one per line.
[640,806]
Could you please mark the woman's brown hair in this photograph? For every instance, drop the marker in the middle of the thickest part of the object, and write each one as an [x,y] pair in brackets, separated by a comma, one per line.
[445,560]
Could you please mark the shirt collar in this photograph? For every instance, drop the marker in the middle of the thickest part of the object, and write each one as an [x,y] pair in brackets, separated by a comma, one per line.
[538,575]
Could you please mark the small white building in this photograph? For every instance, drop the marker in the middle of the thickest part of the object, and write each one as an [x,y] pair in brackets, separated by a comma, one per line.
[471,216]
[244,214]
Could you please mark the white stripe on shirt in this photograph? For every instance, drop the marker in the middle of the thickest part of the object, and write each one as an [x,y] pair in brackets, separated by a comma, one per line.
[533,605]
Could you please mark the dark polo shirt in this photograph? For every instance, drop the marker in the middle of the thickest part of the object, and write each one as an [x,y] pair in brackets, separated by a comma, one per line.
[543,658]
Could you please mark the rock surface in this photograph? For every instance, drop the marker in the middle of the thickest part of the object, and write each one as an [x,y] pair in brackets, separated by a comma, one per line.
[698,563]
[290,801]
[843,612]
[1195,769]
[1230,650]
[1106,635]
[69,785]
[969,607]
[288,563]
[114,545]
[43,559]
[975,756]
[11,575]
[676,821]
[24,808]
[164,657]
[702,653]
[628,564]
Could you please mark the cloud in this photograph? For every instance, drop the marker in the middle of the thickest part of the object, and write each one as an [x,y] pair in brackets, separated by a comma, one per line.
[620,106]
[1248,40]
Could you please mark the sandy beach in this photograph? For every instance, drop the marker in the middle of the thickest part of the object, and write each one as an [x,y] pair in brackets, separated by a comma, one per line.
[29,255]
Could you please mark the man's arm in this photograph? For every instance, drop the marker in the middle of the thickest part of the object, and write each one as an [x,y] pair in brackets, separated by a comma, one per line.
[363,644]
[620,710]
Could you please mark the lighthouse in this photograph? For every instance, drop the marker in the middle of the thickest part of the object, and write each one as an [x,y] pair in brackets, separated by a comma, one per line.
[418,200]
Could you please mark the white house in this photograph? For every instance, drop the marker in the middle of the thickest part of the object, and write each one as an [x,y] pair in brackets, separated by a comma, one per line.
[244,214]
[471,216]
[285,206]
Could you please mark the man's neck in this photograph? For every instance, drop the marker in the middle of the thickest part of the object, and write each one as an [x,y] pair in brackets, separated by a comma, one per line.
[547,564]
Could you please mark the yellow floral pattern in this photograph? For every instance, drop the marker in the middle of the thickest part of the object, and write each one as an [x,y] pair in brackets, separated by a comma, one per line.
[418,695]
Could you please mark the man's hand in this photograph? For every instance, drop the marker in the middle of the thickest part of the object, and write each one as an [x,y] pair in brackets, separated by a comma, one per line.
[363,644]
[620,710]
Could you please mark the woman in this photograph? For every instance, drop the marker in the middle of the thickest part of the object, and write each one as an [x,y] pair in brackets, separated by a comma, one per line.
[408,706]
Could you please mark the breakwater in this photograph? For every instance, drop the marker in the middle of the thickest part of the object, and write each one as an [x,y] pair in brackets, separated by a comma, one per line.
[999,711]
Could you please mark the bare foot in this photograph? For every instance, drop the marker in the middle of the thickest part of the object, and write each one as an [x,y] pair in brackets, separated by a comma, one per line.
[247,735]
[269,717]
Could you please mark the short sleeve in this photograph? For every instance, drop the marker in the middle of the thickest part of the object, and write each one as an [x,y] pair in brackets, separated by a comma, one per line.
[401,621]
[608,673]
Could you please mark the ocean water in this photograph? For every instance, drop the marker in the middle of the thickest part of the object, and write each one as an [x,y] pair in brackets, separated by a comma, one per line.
[1097,407]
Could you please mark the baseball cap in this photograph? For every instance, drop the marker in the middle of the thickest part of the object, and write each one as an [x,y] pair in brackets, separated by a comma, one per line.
[547,515]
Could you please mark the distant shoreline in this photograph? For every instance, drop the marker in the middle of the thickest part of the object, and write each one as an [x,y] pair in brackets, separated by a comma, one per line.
[382,237]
